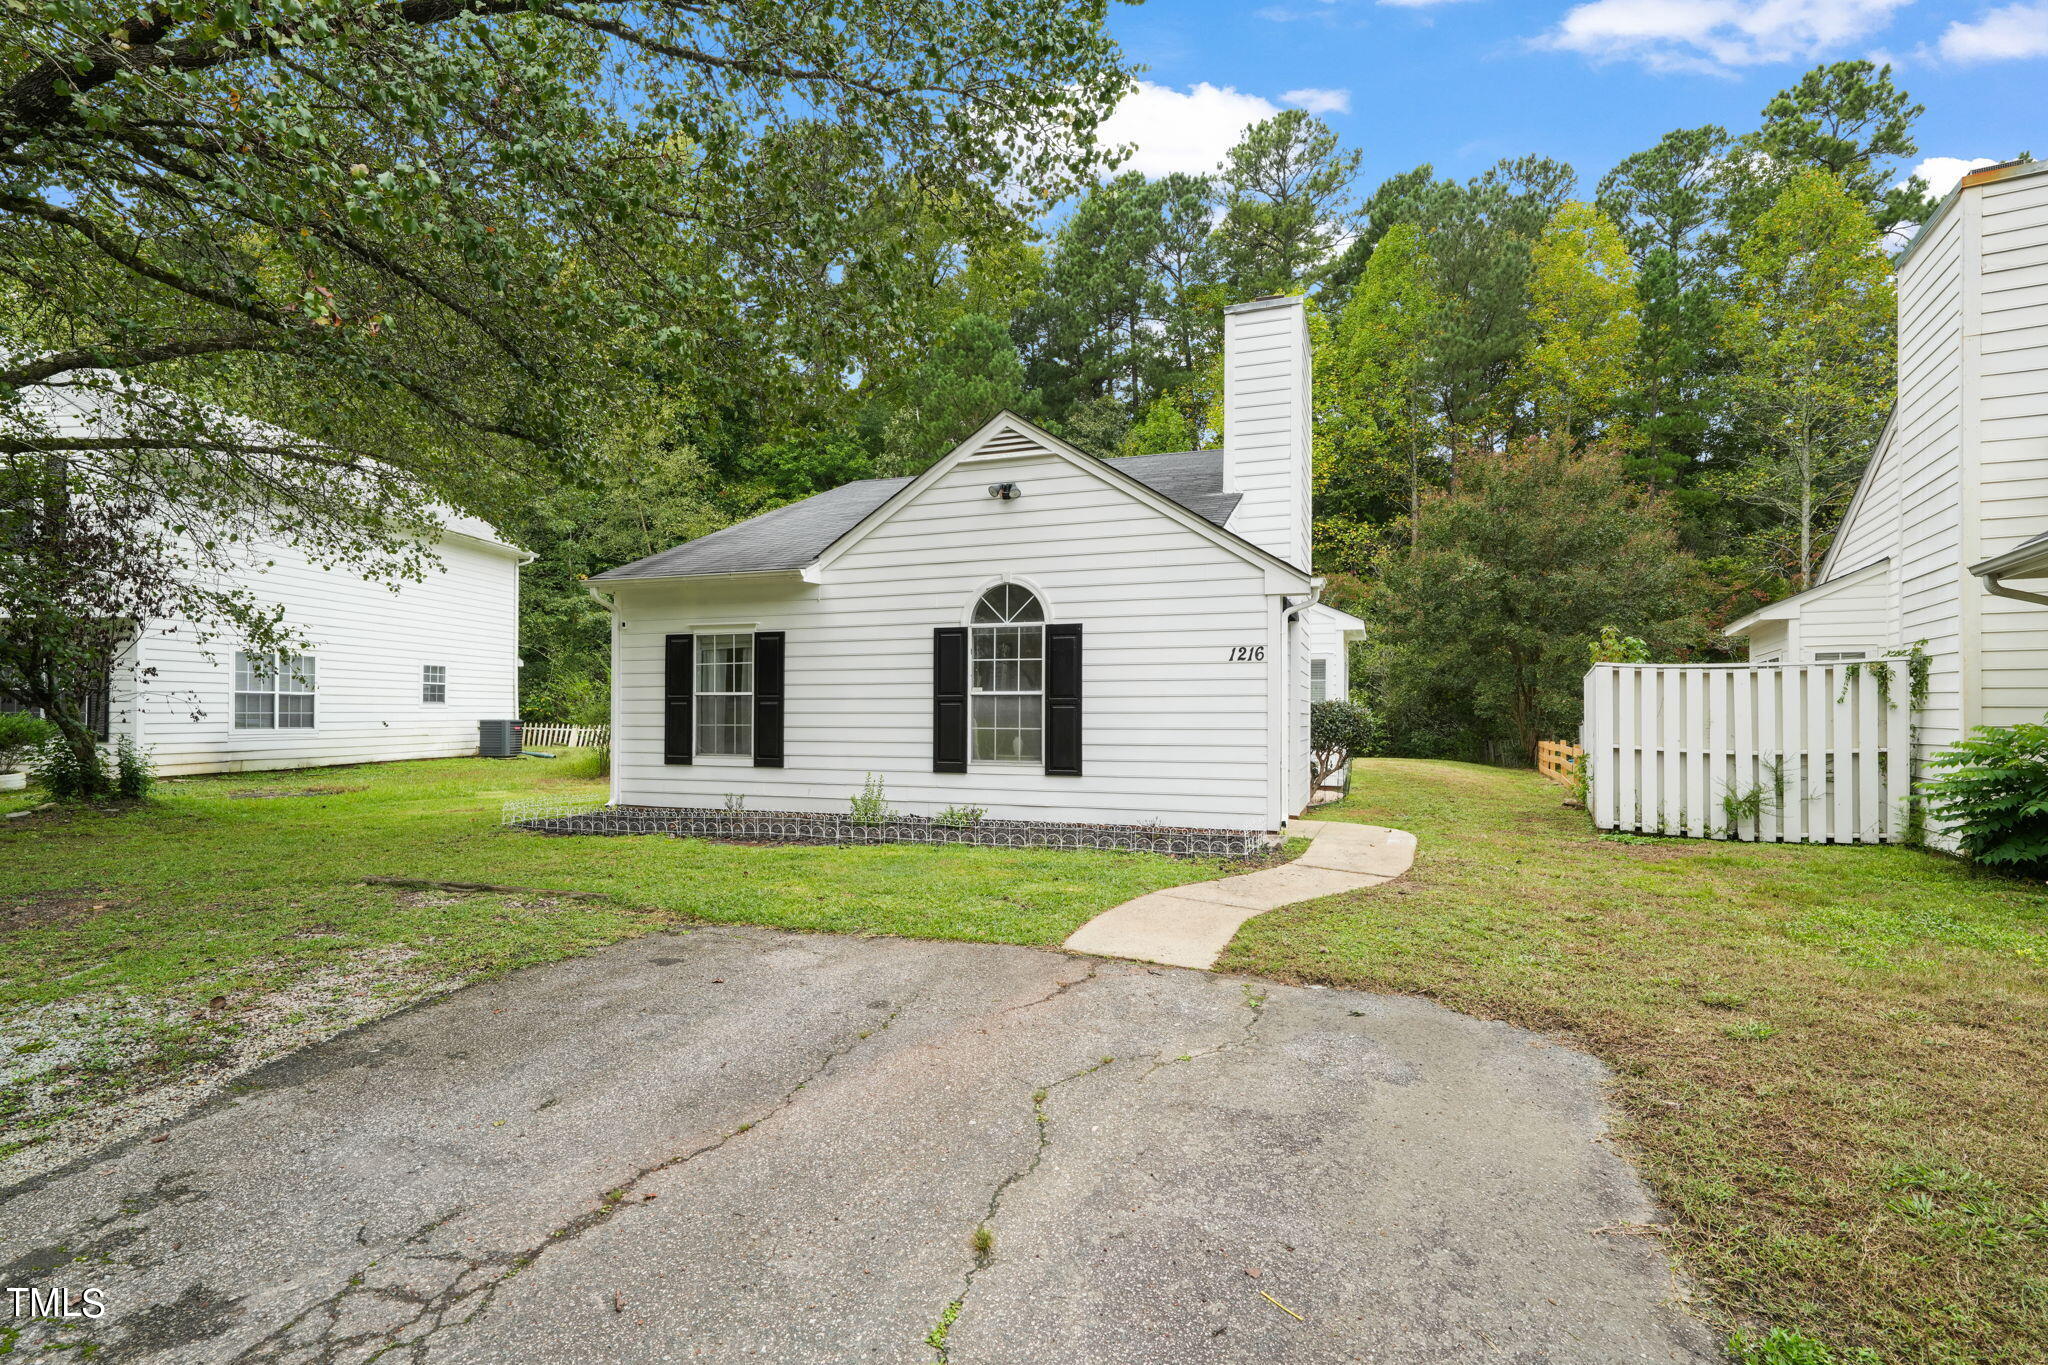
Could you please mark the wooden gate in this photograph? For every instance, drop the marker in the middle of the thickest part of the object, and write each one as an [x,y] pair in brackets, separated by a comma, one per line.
[1787,753]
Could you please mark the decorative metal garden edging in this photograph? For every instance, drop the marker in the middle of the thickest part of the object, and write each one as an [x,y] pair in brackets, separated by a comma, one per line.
[804,827]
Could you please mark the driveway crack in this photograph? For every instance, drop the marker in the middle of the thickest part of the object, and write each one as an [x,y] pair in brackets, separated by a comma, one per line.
[477,1279]
[984,1234]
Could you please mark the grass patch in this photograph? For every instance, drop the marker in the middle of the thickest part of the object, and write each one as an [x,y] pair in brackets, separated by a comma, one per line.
[206,891]
[1830,1060]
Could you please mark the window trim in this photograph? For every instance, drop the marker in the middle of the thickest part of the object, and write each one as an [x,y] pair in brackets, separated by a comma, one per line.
[700,638]
[236,692]
[976,632]
[427,683]
[1318,663]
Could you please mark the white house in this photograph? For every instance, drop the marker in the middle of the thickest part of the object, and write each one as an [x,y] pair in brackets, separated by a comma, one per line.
[1951,517]
[390,672]
[1022,628]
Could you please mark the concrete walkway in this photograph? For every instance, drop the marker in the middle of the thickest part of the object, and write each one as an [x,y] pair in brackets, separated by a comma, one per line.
[1189,926]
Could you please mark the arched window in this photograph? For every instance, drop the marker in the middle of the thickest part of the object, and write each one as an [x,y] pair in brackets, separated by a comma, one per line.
[1008,676]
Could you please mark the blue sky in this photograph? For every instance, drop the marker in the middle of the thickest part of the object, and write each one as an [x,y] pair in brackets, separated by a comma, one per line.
[1461,83]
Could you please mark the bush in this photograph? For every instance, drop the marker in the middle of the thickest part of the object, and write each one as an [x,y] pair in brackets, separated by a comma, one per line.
[1995,795]
[20,736]
[1338,731]
[69,776]
[132,775]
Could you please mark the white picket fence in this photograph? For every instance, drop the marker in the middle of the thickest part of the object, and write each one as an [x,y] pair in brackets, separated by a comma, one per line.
[1782,753]
[538,735]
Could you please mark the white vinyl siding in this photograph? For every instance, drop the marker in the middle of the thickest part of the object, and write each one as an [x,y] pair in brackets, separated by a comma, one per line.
[368,642]
[1173,729]
[2010,404]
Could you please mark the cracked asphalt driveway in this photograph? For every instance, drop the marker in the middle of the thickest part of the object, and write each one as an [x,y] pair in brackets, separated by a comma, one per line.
[734,1144]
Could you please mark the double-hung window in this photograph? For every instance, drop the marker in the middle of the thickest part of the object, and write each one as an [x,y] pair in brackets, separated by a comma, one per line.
[274,691]
[725,694]
[1007,657]
[1318,679]
[434,684]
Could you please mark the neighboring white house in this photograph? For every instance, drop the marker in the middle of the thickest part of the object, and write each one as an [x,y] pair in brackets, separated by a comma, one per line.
[391,672]
[1022,628]
[1952,512]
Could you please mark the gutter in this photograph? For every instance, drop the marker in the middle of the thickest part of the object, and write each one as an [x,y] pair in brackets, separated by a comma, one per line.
[2029,560]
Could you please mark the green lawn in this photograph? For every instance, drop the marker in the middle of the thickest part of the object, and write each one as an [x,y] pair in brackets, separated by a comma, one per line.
[229,883]
[1831,1061]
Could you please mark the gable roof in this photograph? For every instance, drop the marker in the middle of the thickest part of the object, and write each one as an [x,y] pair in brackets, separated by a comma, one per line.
[793,536]
[789,537]
[1785,608]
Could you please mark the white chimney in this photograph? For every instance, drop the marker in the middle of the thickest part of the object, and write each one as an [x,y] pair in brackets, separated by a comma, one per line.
[1266,368]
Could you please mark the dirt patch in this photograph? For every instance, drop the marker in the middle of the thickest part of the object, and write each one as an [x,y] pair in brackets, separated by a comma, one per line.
[49,909]
[81,1073]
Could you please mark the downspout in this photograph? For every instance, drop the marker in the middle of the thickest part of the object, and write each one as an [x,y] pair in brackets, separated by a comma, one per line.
[1995,585]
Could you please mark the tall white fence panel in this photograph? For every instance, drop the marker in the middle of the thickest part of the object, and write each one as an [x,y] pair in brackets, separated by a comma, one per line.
[1789,753]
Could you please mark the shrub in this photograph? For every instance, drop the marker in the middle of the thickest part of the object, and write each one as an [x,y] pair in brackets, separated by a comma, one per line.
[20,736]
[132,775]
[871,807]
[69,776]
[1994,794]
[1338,731]
[959,817]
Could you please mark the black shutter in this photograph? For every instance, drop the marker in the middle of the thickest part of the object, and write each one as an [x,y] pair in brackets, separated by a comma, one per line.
[1063,700]
[949,699]
[679,699]
[767,698]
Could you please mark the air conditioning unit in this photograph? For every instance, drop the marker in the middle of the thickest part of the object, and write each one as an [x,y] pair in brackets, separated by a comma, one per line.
[499,738]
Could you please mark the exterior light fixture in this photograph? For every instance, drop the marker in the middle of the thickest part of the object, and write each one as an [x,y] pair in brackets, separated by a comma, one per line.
[1005,492]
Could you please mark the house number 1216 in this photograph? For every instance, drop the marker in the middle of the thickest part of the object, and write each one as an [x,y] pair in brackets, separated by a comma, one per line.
[1247,654]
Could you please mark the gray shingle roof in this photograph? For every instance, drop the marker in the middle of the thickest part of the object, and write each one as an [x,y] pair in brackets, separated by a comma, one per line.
[1192,478]
[791,537]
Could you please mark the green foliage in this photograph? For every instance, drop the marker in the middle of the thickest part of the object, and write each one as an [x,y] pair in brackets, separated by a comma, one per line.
[1612,647]
[960,817]
[871,807]
[1478,636]
[1780,1346]
[70,773]
[1339,731]
[1810,329]
[1584,324]
[1376,385]
[1849,120]
[1286,191]
[1164,428]
[21,734]
[1994,795]
[132,773]
[448,250]
[972,374]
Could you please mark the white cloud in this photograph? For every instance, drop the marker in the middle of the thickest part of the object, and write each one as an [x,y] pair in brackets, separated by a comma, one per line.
[1999,35]
[1190,132]
[1319,101]
[1942,172]
[1715,35]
